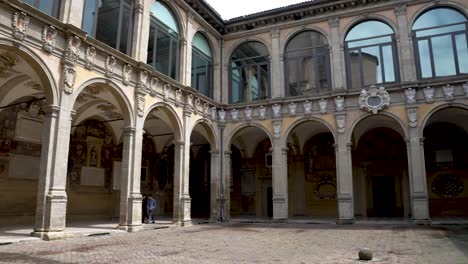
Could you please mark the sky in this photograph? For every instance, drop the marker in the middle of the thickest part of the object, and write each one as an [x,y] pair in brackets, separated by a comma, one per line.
[230,9]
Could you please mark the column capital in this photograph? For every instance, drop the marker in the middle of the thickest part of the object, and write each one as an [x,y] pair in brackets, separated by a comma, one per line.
[214,152]
[227,153]
[400,10]
[179,143]
[334,22]
[129,131]
[284,150]
[51,110]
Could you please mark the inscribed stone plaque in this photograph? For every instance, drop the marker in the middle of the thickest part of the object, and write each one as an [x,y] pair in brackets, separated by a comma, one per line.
[28,129]
[92,176]
[24,167]
[117,175]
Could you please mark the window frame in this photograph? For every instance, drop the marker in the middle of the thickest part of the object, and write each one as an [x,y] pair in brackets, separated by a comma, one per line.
[314,52]
[416,40]
[380,45]
[208,71]
[160,27]
[55,7]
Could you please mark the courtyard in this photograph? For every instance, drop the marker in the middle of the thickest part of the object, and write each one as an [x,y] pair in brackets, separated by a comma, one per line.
[253,243]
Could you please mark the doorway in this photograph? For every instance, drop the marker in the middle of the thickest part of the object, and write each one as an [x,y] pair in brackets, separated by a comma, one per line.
[383,196]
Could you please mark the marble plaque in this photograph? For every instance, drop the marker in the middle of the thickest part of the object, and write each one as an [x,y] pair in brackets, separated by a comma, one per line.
[24,167]
[28,129]
[117,175]
[92,176]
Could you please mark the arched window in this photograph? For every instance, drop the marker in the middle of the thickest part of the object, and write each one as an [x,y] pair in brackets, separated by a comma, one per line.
[249,73]
[370,52]
[163,46]
[50,7]
[440,43]
[307,64]
[110,21]
[202,65]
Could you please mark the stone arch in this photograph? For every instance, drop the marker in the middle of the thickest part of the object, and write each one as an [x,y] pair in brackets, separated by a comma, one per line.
[300,121]
[245,40]
[436,109]
[230,137]
[450,4]
[175,121]
[299,30]
[178,16]
[45,75]
[211,137]
[116,91]
[359,19]
[400,128]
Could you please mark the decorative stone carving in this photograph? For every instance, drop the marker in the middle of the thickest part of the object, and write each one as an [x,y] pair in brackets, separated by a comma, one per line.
[140,102]
[400,10]
[90,54]
[307,107]
[277,129]
[334,22]
[323,106]
[374,99]
[205,107]
[262,112]
[126,71]
[196,104]
[189,99]
[292,108]
[234,114]
[213,113]
[340,122]
[73,46]
[20,24]
[429,94]
[166,91]
[465,89]
[153,86]
[412,116]
[49,36]
[276,110]
[410,94]
[222,115]
[248,113]
[69,76]
[110,64]
[178,97]
[339,103]
[449,91]
[142,82]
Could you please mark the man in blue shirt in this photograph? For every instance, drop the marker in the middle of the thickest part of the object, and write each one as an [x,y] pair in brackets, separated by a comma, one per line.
[150,208]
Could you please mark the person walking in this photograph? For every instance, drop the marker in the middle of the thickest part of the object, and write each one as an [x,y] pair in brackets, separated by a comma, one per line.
[150,208]
[144,209]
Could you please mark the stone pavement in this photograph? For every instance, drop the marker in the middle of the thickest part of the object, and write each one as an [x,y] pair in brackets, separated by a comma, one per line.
[254,243]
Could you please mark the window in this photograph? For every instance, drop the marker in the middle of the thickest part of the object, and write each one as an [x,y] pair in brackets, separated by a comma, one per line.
[202,65]
[249,73]
[307,64]
[50,7]
[109,21]
[163,46]
[440,43]
[370,52]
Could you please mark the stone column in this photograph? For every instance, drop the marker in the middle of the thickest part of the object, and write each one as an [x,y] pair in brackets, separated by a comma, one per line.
[224,198]
[405,47]
[52,198]
[280,181]
[344,178]
[299,186]
[215,179]
[130,196]
[338,74]
[71,12]
[417,178]
[275,67]
[182,200]
[188,51]
[141,28]
[216,82]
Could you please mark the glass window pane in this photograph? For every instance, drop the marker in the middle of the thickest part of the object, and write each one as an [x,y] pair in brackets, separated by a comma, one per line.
[308,74]
[323,68]
[292,77]
[462,52]
[388,63]
[425,58]
[236,84]
[162,53]
[355,68]
[360,43]
[444,61]
[441,30]
[46,6]
[89,16]
[174,58]
[253,86]
[370,28]
[151,50]
[438,17]
[372,67]
[306,39]
[125,31]
[107,24]
[200,42]
[161,12]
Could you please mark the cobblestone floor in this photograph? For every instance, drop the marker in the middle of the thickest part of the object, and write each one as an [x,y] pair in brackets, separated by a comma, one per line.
[254,243]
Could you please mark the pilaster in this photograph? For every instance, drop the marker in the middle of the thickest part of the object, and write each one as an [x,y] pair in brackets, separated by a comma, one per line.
[344,178]
[214,185]
[182,200]
[405,47]
[275,68]
[336,56]
[71,12]
[280,181]
[141,28]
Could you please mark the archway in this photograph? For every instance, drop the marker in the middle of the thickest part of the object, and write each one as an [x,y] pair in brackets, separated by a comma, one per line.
[380,169]
[26,91]
[311,171]
[200,188]
[446,157]
[96,153]
[157,165]
[251,192]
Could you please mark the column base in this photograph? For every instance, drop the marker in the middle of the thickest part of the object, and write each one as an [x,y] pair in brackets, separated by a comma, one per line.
[48,236]
[183,223]
[345,221]
[130,228]
[280,220]
[422,221]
